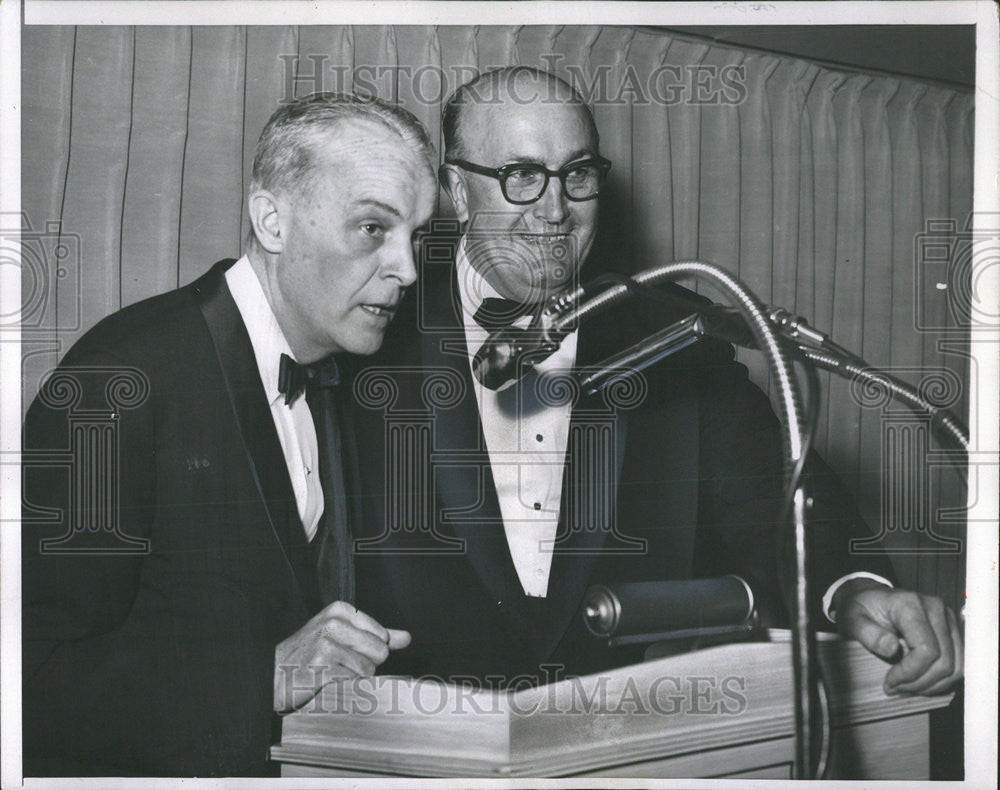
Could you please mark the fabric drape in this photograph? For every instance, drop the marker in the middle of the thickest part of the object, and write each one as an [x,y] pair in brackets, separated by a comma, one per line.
[815,185]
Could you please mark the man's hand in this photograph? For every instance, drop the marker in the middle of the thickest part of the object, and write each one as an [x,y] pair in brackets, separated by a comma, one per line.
[339,642]
[917,633]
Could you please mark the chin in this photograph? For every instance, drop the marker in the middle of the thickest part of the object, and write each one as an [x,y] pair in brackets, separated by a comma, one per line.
[366,345]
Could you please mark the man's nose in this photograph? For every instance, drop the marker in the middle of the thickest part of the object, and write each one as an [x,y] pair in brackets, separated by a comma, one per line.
[552,207]
[402,264]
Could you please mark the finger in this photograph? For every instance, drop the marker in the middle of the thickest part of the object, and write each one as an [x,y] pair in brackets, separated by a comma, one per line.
[341,661]
[344,635]
[943,666]
[333,655]
[357,618]
[876,638]
[947,683]
[916,630]
[398,639]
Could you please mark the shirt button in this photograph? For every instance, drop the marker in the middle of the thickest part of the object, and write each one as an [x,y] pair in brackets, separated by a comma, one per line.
[539,573]
[538,506]
[538,437]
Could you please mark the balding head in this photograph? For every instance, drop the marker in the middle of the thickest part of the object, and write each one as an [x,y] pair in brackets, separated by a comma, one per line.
[494,91]
[290,147]
[523,170]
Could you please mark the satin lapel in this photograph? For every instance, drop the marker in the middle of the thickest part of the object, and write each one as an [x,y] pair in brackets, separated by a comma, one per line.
[467,505]
[253,415]
[352,460]
[594,455]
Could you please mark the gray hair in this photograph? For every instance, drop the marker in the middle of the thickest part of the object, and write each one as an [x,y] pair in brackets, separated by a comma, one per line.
[285,157]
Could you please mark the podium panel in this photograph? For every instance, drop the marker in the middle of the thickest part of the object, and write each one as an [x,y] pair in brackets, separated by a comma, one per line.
[721,712]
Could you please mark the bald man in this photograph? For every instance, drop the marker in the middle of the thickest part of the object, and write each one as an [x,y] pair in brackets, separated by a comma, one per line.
[531,497]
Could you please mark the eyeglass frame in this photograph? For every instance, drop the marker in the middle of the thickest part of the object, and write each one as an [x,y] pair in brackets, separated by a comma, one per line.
[500,174]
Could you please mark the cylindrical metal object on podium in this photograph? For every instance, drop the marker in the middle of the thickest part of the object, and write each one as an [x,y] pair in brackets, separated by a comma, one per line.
[654,607]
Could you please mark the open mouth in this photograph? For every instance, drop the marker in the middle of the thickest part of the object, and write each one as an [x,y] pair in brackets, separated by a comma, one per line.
[545,239]
[379,310]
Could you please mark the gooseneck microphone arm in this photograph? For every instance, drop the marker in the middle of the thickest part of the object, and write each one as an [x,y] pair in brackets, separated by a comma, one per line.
[569,311]
[767,339]
[780,336]
[944,425]
[727,324]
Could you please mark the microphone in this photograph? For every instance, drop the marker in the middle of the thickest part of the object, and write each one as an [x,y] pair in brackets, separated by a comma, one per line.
[509,353]
[716,320]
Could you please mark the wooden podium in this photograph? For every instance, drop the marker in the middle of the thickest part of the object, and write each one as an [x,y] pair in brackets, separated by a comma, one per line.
[720,712]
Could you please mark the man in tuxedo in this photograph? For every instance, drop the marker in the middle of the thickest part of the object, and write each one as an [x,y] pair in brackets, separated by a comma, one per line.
[490,518]
[190,578]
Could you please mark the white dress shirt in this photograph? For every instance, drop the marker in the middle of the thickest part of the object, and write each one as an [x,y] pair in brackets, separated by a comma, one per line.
[294,422]
[526,445]
[527,453]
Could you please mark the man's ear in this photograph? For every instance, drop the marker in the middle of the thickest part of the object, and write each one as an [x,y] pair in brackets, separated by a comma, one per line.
[454,185]
[265,217]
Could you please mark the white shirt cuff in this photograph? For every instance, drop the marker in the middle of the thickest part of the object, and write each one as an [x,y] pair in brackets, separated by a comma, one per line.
[832,590]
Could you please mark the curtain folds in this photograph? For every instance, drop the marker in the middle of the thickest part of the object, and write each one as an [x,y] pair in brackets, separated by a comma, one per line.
[813,185]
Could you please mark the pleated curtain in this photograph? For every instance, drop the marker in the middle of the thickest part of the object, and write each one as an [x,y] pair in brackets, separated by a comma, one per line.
[814,185]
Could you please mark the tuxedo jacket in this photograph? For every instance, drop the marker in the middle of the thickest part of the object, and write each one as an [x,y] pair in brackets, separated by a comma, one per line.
[149,638]
[675,474]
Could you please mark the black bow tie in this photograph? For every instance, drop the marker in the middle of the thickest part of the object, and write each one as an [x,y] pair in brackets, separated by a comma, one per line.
[496,313]
[293,377]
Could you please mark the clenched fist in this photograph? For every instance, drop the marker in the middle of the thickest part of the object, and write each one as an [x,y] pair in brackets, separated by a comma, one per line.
[339,642]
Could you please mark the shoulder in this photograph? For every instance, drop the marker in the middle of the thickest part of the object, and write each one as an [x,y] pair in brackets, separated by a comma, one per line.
[146,330]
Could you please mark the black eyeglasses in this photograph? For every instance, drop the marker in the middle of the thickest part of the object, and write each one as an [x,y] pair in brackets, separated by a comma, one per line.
[525,182]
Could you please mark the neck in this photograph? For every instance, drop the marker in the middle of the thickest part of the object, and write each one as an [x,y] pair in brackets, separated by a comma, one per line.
[265,266]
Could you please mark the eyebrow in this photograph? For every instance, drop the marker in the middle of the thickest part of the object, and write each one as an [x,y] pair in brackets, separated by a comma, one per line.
[526,160]
[534,160]
[580,153]
[379,204]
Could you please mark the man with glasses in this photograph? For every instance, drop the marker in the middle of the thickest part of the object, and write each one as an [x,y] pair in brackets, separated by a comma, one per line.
[485,534]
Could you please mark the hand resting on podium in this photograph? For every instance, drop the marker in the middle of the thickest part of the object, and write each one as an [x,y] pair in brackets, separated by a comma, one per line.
[918,634]
[340,641]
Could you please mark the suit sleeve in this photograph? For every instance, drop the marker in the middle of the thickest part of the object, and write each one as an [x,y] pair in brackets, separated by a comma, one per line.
[114,680]
[77,590]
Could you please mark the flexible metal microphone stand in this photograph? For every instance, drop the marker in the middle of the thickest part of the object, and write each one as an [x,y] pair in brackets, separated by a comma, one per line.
[778,335]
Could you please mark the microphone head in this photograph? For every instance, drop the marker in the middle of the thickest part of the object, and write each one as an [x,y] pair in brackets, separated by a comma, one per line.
[508,354]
